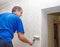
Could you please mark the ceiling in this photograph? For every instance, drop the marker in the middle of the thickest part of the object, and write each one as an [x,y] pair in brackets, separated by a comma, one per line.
[3,2]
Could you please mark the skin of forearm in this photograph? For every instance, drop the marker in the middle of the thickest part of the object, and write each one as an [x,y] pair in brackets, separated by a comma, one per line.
[23,38]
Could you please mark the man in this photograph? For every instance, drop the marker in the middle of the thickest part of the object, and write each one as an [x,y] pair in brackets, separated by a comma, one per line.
[9,23]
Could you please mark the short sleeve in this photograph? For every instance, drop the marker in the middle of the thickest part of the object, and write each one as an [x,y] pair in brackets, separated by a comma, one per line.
[20,26]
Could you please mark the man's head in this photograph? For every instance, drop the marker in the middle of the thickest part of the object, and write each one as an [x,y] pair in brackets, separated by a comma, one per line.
[17,10]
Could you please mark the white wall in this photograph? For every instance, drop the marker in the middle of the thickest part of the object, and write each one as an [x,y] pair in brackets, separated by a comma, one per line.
[30,21]
[35,22]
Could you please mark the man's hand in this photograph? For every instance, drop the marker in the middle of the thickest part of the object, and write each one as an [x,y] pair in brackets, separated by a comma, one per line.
[24,39]
[31,43]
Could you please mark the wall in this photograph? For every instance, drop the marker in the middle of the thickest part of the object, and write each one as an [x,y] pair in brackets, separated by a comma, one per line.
[30,20]
[34,20]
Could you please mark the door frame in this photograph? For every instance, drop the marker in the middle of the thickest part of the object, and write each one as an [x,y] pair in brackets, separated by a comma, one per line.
[44,23]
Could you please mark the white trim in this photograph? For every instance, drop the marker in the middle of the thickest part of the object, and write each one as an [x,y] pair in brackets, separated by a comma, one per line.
[44,24]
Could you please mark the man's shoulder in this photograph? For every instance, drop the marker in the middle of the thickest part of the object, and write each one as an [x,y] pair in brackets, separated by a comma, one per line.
[5,13]
[9,14]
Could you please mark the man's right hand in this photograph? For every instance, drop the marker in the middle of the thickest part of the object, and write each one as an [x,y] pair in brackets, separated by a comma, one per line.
[24,39]
[31,43]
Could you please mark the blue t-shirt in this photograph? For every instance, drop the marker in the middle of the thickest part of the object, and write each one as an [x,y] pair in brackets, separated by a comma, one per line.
[9,23]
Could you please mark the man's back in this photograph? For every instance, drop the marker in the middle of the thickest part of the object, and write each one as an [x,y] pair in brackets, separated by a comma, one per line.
[8,25]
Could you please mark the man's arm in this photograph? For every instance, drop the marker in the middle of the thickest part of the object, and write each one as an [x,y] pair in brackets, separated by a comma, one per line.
[24,39]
